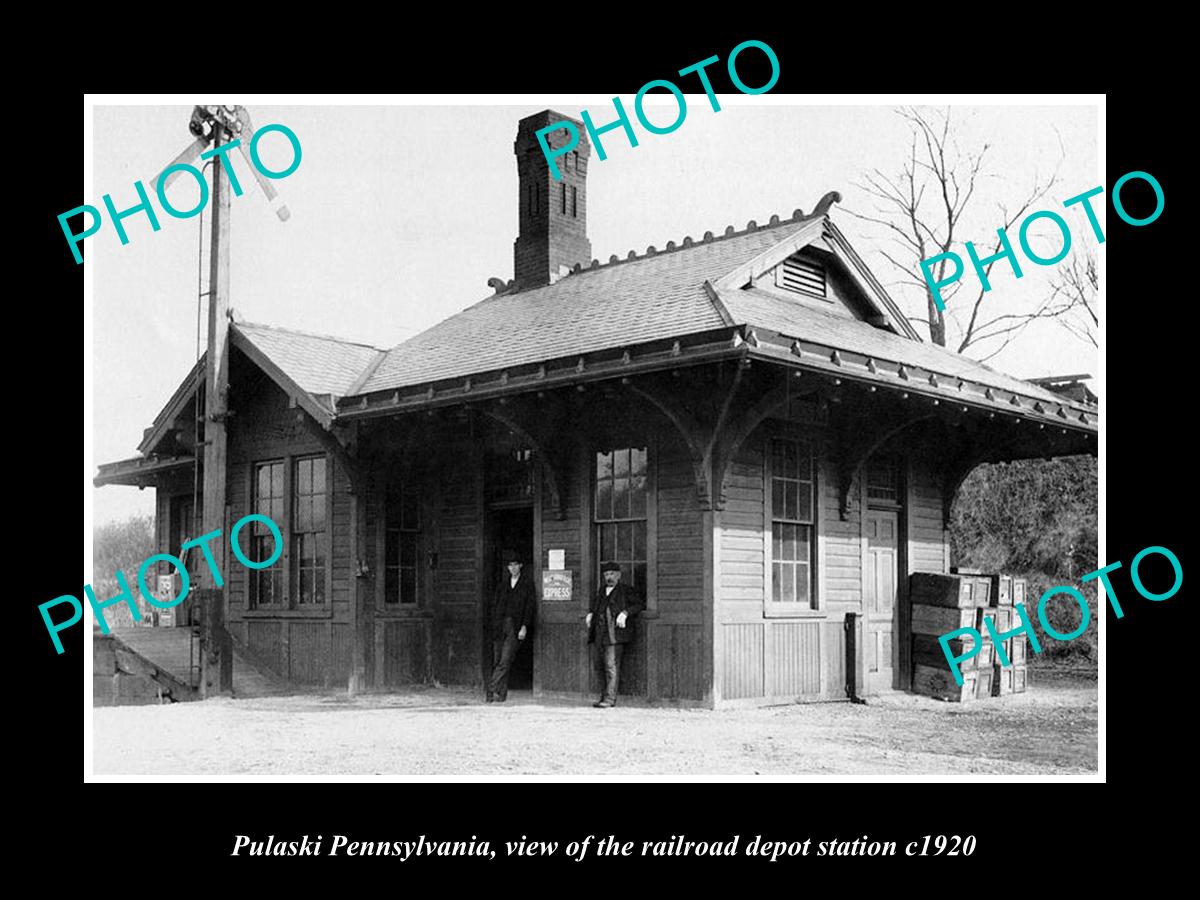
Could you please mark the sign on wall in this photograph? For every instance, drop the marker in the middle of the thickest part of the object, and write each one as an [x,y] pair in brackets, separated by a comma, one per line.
[556,585]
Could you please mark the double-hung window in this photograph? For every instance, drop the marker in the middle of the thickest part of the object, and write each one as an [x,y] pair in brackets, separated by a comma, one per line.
[792,525]
[293,493]
[402,532]
[620,514]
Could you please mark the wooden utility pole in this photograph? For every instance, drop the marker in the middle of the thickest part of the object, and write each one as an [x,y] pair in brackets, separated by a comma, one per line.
[216,667]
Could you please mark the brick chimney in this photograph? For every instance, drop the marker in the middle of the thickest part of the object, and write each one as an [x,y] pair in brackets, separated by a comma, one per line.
[553,212]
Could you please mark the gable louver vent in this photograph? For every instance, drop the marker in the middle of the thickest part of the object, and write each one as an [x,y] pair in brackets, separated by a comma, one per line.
[801,276]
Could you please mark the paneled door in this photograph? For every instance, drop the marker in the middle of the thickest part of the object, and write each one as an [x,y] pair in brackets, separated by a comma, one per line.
[880,598]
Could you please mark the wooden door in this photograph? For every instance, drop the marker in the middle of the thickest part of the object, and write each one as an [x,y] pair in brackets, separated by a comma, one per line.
[879,600]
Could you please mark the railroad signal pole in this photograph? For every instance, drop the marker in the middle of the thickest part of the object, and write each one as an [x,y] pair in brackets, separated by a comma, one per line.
[218,125]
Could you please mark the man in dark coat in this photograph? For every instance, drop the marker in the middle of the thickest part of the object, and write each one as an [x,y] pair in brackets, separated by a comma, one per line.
[512,616]
[610,628]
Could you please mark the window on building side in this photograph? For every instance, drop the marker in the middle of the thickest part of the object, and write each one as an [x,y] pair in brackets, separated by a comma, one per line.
[791,522]
[574,203]
[308,530]
[563,194]
[619,513]
[402,515]
[267,585]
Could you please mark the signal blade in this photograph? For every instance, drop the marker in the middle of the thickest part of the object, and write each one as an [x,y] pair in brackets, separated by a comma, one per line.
[268,189]
[191,154]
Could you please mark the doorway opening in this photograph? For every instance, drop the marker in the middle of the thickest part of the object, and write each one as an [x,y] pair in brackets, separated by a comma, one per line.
[510,529]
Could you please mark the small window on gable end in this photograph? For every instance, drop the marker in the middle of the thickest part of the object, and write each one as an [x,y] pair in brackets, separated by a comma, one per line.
[801,276]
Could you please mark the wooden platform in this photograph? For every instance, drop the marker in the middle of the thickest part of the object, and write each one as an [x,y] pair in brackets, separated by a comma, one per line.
[162,659]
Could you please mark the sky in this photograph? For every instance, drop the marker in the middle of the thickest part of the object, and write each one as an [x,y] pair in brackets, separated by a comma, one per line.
[400,215]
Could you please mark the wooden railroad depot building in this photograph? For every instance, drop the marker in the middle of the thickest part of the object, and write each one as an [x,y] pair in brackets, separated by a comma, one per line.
[744,420]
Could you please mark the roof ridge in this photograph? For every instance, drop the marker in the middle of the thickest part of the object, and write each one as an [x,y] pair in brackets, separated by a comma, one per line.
[752,226]
[312,334]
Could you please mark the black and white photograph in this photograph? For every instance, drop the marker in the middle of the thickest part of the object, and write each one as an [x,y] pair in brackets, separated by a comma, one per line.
[520,436]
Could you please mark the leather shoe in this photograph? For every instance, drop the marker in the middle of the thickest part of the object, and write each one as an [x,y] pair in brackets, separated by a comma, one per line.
[602,704]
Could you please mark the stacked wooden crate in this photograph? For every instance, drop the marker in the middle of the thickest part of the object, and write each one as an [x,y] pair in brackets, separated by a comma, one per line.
[943,603]
[1006,591]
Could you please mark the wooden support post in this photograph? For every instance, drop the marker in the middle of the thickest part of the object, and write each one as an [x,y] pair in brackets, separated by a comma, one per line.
[216,658]
[710,665]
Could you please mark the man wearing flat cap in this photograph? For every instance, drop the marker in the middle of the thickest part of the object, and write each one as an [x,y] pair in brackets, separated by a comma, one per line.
[610,628]
[512,616]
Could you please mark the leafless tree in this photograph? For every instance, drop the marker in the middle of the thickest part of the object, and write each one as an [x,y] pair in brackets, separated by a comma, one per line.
[1073,296]
[923,209]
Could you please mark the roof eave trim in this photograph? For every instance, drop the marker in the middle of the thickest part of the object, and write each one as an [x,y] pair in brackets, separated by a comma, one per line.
[815,357]
[866,280]
[165,419]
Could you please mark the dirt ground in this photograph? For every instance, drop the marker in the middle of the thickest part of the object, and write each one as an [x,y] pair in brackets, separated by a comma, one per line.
[1051,730]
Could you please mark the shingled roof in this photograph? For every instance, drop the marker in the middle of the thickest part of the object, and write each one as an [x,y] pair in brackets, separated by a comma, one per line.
[657,295]
[696,287]
[317,363]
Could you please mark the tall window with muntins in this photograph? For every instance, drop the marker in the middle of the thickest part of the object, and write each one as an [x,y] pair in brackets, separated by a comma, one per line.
[791,522]
[619,513]
[308,530]
[563,193]
[267,585]
[574,203]
[402,514]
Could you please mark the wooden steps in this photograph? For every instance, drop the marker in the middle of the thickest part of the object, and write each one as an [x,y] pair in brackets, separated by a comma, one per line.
[145,663]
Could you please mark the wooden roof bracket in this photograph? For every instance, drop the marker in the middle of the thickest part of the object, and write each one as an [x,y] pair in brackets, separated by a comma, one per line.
[854,446]
[552,466]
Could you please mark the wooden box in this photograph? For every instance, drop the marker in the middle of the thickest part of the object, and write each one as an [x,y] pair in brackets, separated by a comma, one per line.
[934,682]
[983,683]
[1001,616]
[1015,648]
[927,650]
[1004,592]
[1020,679]
[985,658]
[955,591]
[1018,590]
[937,620]
[1002,680]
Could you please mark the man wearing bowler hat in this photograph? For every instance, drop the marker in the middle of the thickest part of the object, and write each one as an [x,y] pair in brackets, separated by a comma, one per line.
[512,615]
[610,628]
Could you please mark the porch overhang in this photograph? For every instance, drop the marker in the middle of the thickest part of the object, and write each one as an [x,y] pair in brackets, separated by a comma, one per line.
[140,471]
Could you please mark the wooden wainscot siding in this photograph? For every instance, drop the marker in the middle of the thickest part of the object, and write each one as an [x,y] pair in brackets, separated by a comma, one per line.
[927,545]
[673,632]
[560,663]
[453,530]
[307,646]
[776,659]
[929,541]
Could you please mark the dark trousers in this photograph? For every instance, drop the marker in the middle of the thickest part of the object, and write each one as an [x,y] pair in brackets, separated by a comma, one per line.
[607,660]
[504,650]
